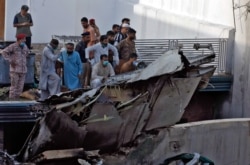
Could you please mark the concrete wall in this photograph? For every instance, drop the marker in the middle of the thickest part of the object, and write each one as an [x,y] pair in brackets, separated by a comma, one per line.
[157,19]
[222,141]
[241,87]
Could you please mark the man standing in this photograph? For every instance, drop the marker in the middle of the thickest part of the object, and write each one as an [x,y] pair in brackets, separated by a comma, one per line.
[49,81]
[16,54]
[116,28]
[100,48]
[111,39]
[101,71]
[72,67]
[90,29]
[127,46]
[122,34]
[80,48]
[23,21]
[96,29]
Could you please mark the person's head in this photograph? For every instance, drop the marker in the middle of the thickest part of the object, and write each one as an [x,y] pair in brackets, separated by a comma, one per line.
[104,40]
[111,36]
[131,34]
[86,37]
[124,28]
[24,9]
[133,57]
[92,22]
[21,38]
[54,43]
[104,60]
[116,28]
[69,48]
[84,22]
[126,20]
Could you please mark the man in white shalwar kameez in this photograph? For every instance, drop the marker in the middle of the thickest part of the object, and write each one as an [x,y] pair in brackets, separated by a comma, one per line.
[49,82]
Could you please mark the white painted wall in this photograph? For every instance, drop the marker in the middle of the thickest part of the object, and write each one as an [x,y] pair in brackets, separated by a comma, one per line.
[151,19]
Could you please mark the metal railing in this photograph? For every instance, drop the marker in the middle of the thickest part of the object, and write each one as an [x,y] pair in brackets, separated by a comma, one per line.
[150,49]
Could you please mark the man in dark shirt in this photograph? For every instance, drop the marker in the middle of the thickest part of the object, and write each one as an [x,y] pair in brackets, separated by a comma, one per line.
[23,21]
[80,48]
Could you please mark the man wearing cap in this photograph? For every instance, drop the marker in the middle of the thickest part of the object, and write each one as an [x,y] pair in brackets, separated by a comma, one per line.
[49,81]
[23,21]
[80,48]
[16,54]
[122,34]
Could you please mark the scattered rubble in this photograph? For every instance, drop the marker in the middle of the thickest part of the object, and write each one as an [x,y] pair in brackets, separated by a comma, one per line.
[116,117]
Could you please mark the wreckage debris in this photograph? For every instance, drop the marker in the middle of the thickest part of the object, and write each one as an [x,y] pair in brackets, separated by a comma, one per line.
[116,114]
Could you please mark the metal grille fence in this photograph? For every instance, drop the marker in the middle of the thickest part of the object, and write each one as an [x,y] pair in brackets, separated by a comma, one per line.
[150,49]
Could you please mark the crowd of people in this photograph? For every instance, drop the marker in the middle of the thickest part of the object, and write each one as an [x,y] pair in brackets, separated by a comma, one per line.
[87,64]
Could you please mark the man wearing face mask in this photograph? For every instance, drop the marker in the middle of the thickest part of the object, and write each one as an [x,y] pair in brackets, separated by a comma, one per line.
[101,71]
[49,83]
[72,67]
[100,48]
[16,54]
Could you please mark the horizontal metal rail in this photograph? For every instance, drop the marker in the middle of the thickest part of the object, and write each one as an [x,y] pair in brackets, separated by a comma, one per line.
[150,49]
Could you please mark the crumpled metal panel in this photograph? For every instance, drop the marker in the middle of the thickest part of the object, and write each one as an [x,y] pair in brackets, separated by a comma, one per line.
[197,59]
[168,63]
[177,95]
[134,117]
[103,134]
[52,132]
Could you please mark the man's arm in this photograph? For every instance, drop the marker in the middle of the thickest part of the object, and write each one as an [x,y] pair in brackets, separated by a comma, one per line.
[111,70]
[79,64]
[88,50]
[116,55]
[17,24]
[50,55]
[7,52]
[117,39]
[92,37]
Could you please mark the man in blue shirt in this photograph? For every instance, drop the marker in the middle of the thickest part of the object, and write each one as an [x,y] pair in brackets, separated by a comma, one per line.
[72,67]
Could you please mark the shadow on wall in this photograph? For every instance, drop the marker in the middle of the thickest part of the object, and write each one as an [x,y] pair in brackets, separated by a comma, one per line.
[205,106]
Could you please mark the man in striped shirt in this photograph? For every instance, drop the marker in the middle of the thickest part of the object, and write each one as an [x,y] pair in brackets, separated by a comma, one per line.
[122,34]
